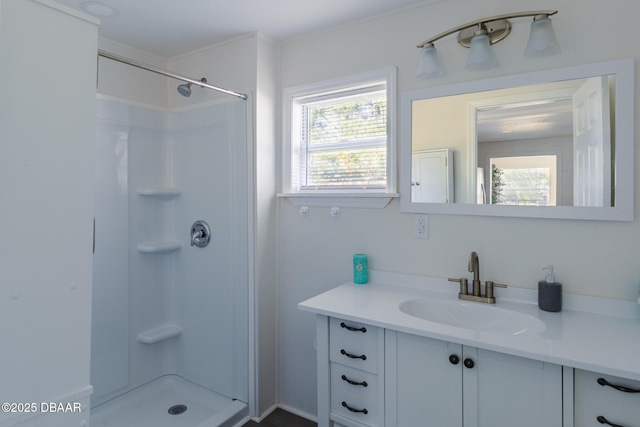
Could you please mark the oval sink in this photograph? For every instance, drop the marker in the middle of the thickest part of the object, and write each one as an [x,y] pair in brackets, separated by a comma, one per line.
[473,316]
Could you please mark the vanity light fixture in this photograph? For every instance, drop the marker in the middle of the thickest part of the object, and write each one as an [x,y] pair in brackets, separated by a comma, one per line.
[480,34]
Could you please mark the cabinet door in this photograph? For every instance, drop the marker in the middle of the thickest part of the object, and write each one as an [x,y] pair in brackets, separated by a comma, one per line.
[504,390]
[423,386]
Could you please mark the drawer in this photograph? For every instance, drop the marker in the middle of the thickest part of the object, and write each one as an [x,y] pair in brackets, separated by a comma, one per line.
[354,344]
[363,410]
[354,381]
[593,400]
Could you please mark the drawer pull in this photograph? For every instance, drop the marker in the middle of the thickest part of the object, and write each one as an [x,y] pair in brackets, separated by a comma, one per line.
[352,329]
[353,356]
[363,383]
[624,389]
[603,420]
[364,411]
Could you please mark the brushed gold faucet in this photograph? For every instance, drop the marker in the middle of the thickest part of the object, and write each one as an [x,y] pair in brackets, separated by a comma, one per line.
[476,290]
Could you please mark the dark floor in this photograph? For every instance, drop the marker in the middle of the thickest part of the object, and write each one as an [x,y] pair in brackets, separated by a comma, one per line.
[280,418]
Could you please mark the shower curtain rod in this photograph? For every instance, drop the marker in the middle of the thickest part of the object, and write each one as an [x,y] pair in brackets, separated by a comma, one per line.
[157,70]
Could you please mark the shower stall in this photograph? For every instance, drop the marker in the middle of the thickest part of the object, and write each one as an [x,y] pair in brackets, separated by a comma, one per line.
[170,327]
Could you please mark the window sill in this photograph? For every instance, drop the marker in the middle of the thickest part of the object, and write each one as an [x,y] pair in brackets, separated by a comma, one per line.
[342,200]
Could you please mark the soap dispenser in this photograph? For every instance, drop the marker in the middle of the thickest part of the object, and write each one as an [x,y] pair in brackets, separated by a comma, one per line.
[549,293]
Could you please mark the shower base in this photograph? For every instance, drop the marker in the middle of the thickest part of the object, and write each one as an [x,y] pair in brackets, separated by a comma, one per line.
[150,406]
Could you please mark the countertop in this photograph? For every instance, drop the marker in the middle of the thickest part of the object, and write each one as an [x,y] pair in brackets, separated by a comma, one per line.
[594,334]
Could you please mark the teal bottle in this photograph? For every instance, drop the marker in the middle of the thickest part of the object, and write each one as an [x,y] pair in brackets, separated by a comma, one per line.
[360,269]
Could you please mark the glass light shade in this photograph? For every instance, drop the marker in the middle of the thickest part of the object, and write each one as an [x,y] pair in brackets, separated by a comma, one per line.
[429,66]
[481,55]
[542,40]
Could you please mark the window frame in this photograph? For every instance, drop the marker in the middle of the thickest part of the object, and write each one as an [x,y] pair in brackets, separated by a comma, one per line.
[357,197]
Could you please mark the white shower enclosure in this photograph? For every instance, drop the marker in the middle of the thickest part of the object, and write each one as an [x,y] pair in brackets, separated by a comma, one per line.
[168,316]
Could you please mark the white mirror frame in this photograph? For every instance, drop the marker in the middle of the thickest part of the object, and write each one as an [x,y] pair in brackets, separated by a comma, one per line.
[624,70]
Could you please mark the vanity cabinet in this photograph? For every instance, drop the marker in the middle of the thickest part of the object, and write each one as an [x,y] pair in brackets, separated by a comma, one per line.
[436,383]
[428,373]
[601,399]
[369,376]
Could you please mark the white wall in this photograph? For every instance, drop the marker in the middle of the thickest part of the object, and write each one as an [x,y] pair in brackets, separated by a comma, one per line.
[265,222]
[47,125]
[131,83]
[590,258]
[230,65]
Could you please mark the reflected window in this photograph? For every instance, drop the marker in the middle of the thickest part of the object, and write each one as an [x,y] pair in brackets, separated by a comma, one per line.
[524,180]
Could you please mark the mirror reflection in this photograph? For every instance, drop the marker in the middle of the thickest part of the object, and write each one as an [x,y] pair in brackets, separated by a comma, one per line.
[548,144]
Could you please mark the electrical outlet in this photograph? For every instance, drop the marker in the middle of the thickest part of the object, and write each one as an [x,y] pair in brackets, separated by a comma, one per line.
[421,226]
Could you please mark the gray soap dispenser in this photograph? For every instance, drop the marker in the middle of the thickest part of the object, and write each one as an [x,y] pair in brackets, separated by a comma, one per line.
[549,293]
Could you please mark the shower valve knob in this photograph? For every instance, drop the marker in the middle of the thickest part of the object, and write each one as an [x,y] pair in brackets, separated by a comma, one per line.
[200,234]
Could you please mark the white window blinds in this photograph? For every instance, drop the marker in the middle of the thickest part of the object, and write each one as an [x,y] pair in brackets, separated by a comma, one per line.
[343,139]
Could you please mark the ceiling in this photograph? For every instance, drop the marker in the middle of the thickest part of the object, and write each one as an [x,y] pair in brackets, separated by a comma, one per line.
[169,27]
[545,119]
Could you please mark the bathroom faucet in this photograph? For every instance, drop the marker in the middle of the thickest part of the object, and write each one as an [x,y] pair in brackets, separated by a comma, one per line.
[474,267]
[476,292]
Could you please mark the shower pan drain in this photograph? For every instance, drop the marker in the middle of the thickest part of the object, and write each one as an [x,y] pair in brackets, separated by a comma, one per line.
[177,409]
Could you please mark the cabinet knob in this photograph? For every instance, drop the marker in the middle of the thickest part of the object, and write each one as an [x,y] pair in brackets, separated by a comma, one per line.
[468,363]
[454,359]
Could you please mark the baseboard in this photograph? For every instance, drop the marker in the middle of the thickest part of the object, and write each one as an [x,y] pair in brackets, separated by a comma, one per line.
[298,412]
[265,414]
[287,408]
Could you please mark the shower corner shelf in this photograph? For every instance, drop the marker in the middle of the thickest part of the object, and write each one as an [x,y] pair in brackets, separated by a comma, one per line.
[161,333]
[163,193]
[159,247]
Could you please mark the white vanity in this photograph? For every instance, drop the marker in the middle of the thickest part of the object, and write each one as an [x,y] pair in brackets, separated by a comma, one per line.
[404,351]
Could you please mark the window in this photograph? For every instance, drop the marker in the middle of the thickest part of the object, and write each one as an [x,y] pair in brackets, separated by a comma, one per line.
[340,136]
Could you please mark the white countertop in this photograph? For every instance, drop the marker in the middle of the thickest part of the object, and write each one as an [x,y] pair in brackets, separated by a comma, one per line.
[589,333]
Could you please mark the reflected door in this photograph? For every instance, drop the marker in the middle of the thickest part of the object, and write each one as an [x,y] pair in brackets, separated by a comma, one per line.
[432,176]
[592,144]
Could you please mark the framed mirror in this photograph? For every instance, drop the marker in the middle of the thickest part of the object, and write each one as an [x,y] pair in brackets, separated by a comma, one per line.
[549,144]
